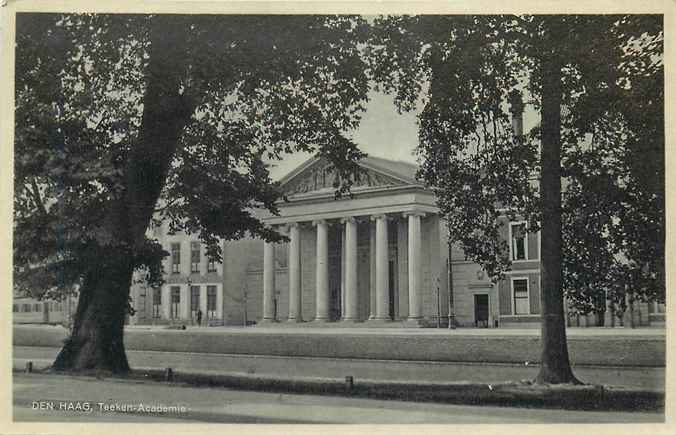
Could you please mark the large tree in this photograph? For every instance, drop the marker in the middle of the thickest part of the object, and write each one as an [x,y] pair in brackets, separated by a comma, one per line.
[464,69]
[124,118]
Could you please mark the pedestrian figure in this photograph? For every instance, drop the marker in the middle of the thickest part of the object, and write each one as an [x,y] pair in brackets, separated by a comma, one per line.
[199,317]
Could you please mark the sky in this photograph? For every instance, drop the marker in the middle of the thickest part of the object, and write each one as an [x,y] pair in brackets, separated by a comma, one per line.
[384,132]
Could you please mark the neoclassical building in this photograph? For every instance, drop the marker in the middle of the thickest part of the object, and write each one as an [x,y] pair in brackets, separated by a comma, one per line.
[378,257]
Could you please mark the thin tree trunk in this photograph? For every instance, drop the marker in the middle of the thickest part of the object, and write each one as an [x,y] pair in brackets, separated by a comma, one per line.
[555,364]
[96,341]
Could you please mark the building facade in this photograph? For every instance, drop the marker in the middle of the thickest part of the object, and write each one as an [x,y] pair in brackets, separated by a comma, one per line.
[376,257]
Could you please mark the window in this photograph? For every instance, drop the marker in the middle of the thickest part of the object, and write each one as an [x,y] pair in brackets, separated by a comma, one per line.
[175,258]
[211,301]
[15,308]
[195,257]
[520,292]
[194,300]
[26,308]
[175,302]
[157,302]
[37,307]
[211,266]
[518,241]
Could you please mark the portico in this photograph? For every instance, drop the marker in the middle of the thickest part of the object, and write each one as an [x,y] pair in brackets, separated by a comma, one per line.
[375,257]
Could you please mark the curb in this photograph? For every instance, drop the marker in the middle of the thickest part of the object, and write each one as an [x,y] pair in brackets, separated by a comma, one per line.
[511,394]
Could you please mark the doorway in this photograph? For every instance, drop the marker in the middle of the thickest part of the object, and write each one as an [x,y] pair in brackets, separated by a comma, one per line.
[481,311]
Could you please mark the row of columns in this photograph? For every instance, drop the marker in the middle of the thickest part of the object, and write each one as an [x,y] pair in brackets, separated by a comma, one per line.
[379,306]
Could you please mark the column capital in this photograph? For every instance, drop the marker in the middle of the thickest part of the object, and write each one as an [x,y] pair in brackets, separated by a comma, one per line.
[418,213]
[290,225]
[350,219]
[375,217]
[318,222]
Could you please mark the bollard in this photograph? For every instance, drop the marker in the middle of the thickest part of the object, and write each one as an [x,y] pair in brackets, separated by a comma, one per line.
[349,383]
[29,367]
[168,374]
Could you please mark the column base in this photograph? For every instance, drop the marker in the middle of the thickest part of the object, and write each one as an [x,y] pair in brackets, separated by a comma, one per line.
[320,320]
[379,321]
[414,322]
[294,320]
[349,321]
[268,322]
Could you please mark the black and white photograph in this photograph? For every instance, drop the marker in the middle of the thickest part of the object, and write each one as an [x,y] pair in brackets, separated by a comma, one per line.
[324,217]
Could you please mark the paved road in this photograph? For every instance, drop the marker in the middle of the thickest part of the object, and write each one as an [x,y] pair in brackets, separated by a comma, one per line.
[422,371]
[229,406]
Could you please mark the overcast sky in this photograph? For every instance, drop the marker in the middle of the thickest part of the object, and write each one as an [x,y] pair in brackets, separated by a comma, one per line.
[383,133]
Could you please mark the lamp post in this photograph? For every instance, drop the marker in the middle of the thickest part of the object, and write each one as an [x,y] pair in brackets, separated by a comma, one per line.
[438,305]
[451,308]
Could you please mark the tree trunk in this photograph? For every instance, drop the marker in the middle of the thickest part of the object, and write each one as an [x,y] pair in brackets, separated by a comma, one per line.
[96,341]
[555,364]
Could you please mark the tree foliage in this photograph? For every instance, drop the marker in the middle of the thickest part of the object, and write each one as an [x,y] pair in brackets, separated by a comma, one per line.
[463,70]
[258,87]
[122,118]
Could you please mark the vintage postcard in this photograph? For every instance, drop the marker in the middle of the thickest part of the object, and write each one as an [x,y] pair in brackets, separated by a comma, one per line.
[336,216]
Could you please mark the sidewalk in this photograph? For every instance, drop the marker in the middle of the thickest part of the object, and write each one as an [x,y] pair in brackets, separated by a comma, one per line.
[333,328]
[510,394]
[221,405]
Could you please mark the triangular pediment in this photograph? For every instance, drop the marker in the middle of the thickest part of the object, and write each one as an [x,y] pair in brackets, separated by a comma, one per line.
[318,175]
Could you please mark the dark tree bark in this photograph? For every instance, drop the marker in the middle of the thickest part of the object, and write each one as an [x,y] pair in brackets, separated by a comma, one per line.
[555,363]
[97,338]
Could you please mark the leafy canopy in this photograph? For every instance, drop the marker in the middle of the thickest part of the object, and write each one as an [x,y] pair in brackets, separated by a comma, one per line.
[465,72]
[260,86]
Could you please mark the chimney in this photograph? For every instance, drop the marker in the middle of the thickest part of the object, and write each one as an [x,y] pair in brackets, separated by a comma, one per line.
[516,106]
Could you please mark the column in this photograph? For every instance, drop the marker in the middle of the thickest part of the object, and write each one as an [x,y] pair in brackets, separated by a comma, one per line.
[351,302]
[166,301]
[269,282]
[186,259]
[414,265]
[203,304]
[219,303]
[185,302]
[295,313]
[322,277]
[342,271]
[372,271]
[382,269]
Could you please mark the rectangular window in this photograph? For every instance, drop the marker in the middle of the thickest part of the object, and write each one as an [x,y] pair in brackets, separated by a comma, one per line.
[211,266]
[521,301]
[211,301]
[15,308]
[519,241]
[175,302]
[26,308]
[195,258]
[37,307]
[194,300]
[157,302]
[175,258]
